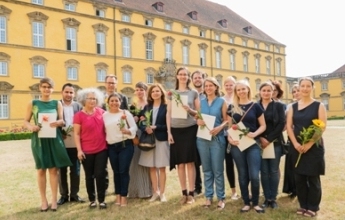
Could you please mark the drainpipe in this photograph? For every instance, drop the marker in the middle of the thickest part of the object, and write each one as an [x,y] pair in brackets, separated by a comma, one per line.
[114,34]
[211,52]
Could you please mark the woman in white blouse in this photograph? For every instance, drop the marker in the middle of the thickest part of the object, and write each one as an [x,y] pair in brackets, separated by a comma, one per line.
[120,129]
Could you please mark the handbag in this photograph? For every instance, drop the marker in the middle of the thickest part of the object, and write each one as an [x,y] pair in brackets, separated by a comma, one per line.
[147,141]
[135,140]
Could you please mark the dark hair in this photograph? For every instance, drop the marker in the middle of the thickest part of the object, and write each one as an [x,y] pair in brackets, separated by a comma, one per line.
[266,84]
[141,85]
[48,81]
[306,78]
[277,85]
[188,73]
[115,94]
[198,72]
[149,98]
[67,85]
[110,76]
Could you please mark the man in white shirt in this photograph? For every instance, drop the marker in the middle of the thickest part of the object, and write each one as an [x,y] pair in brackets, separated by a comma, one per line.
[69,109]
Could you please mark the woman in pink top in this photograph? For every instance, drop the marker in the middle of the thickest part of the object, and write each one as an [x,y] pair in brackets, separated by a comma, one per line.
[89,137]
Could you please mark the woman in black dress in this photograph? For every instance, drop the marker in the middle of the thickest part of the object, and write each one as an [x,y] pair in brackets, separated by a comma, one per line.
[312,163]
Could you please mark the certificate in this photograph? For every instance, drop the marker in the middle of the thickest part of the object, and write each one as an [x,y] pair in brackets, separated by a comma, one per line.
[268,152]
[244,141]
[177,111]
[203,132]
[45,119]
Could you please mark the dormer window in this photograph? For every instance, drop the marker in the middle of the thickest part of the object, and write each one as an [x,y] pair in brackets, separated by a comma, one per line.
[223,23]
[193,15]
[247,30]
[158,6]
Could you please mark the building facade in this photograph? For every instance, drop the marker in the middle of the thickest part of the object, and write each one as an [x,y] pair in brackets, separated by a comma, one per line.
[81,41]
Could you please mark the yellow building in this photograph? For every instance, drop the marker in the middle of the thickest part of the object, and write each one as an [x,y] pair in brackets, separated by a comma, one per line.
[81,41]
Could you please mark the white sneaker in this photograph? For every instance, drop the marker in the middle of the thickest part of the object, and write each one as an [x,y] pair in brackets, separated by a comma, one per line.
[154,197]
[234,196]
[163,199]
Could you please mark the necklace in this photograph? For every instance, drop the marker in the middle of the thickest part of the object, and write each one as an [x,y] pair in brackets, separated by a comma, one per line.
[88,112]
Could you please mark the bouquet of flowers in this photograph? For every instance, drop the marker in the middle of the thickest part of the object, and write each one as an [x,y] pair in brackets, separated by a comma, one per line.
[235,127]
[199,116]
[176,96]
[146,119]
[121,125]
[133,108]
[312,133]
[67,132]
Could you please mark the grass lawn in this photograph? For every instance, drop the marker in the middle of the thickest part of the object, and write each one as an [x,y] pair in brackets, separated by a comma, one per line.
[19,197]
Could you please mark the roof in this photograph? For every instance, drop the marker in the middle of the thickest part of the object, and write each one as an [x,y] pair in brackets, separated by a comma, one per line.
[340,69]
[209,13]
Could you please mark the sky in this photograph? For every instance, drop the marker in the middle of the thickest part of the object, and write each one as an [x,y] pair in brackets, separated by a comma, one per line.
[313,31]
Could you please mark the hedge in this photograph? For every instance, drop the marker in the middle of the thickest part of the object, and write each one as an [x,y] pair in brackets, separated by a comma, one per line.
[15,136]
[336,118]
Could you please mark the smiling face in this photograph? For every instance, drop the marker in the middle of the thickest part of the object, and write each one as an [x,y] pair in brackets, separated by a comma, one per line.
[182,76]
[46,89]
[140,93]
[156,93]
[210,88]
[68,94]
[266,92]
[229,87]
[295,93]
[110,84]
[242,91]
[114,103]
[305,88]
[91,100]
[197,80]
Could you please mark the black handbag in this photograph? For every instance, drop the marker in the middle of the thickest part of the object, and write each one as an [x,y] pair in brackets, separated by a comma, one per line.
[147,141]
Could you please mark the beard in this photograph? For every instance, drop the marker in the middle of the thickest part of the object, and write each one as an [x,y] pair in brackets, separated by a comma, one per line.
[197,86]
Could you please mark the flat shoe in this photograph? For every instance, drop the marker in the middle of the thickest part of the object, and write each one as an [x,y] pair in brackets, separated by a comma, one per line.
[221,206]
[309,213]
[300,211]
[44,210]
[259,210]
[243,210]
[102,205]
[93,204]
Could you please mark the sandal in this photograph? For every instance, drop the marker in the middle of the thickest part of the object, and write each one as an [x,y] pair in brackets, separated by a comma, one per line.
[300,211]
[207,204]
[93,204]
[246,208]
[221,205]
[102,205]
[309,213]
[259,210]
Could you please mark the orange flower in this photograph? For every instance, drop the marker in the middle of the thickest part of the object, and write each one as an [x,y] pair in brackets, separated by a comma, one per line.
[123,117]
[45,118]
[234,127]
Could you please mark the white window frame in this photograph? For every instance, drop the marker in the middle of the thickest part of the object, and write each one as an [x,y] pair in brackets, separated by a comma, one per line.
[126,77]
[100,43]
[232,61]
[324,86]
[218,59]
[325,102]
[150,78]
[231,40]
[148,22]
[244,43]
[38,70]
[4,106]
[245,63]
[167,26]
[72,73]
[257,65]
[343,103]
[202,34]
[256,45]
[217,37]
[267,47]
[149,49]
[100,13]
[279,69]
[125,18]
[3,29]
[71,39]
[185,30]
[69,6]
[202,57]
[268,67]
[37,2]
[185,55]
[37,34]
[101,74]
[126,46]
[168,51]
[3,68]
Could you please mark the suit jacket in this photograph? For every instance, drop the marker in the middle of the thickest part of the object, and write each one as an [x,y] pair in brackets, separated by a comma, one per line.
[161,123]
[76,108]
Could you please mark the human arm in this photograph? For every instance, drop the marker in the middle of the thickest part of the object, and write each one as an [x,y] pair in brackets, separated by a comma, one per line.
[279,122]
[27,119]
[289,130]
[76,130]
[131,128]
[261,129]
[220,127]
[60,122]
[168,119]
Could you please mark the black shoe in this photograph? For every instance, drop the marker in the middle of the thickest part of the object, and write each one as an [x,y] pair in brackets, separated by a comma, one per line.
[62,200]
[266,204]
[259,210]
[197,192]
[76,199]
[274,204]
[102,205]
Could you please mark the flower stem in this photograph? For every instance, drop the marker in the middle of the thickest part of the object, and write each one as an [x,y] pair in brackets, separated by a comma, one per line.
[298,159]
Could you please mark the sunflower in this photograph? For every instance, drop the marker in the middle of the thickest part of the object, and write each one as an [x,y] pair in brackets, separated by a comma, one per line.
[319,123]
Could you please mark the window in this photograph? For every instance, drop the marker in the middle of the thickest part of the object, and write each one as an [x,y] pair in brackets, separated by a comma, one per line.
[231,40]
[245,63]
[232,61]
[202,33]
[185,55]
[256,45]
[127,77]
[202,57]
[257,84]
[277,49]
[37,97]
[148,22]
[244,43]
[218,60]
[167,26]
[168,51]
[149,78]
[185,30]
[38,34]
[100,43]
[257,64]
[217,37]
[39,70]
[72,73]
[324,100]
[149,50]
[343,82]
[4,106]
[69,7]
[3,68]
[71,39]
[100,13]
[278,66]
[344,103]
[324,85]
[101,74]
[37,2]
[125,18]
[126,46]
[219,79]
[267,47]
[3,29]
[268,66]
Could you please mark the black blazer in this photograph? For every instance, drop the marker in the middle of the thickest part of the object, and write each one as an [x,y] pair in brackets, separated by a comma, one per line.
[161,123]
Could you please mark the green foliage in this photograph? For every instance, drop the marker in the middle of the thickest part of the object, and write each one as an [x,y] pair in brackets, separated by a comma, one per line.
[8,136]
[336,118]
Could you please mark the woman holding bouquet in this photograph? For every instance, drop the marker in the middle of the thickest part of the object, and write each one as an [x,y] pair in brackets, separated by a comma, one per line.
[182,134]
[212,153]
[158,158]
[120,129]
[275,123]
[49,153]
[248,161]
[311,164]
[139,186]
[89,137]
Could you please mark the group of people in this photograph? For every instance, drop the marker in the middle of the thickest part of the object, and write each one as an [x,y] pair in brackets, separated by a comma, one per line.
[100,126]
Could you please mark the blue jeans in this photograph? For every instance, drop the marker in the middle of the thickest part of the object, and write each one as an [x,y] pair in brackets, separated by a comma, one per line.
[120,160]
[270,174]
[212,154]
[248,163]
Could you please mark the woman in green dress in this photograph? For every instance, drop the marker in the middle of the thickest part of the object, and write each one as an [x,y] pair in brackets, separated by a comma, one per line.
[49,153]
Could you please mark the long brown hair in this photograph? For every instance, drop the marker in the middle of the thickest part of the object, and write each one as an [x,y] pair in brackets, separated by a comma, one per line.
[188,74]
[149,98]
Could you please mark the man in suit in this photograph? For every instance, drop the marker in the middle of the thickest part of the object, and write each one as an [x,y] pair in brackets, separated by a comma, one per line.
[69,109]
[110,86]
[198,81]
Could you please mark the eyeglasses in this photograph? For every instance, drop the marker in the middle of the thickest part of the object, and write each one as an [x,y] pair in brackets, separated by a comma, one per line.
[182,74]
[111,83]
[46,87]
[91,99]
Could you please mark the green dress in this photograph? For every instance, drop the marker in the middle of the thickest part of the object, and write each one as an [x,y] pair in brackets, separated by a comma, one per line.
[49,152]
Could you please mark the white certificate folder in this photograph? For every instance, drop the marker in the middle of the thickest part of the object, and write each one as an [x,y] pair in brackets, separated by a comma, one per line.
[46,131]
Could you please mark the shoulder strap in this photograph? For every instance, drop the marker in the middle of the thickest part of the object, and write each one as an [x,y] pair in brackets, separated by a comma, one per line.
[246,112]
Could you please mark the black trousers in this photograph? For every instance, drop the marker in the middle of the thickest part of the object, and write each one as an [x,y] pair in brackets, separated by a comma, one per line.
[229,166]
[309,191]
[198,182]
[94,167]
[74,175]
